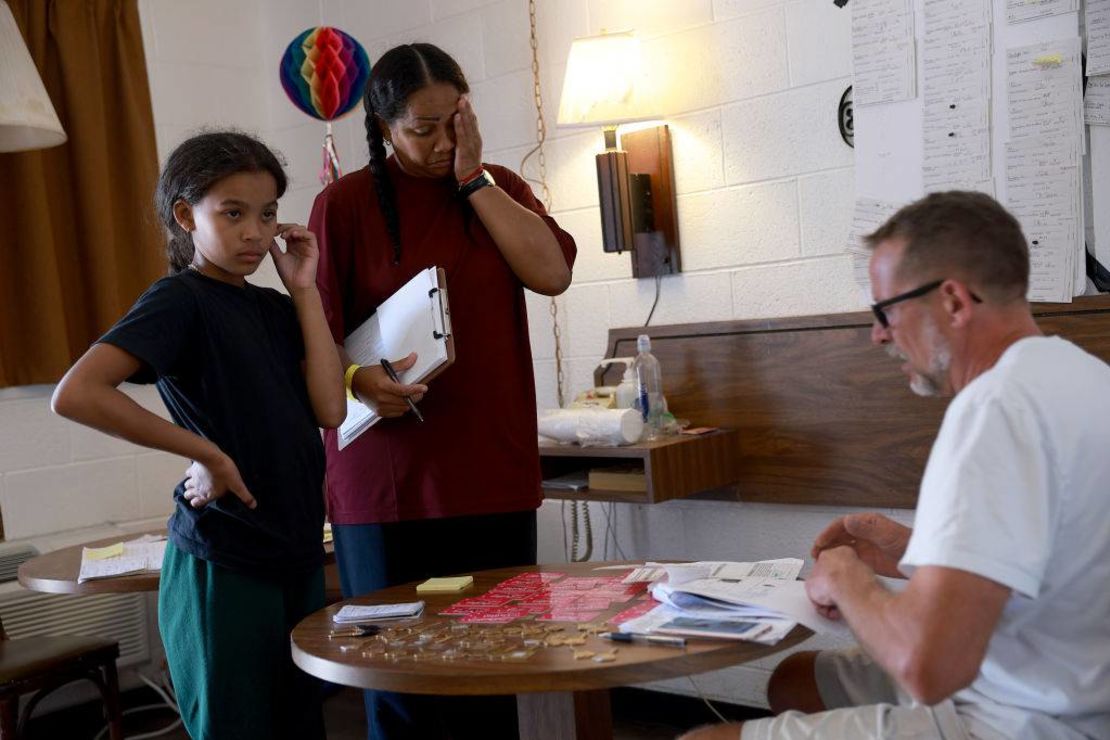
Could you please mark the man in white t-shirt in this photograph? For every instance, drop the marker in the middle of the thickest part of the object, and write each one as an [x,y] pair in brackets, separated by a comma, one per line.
[1003,629]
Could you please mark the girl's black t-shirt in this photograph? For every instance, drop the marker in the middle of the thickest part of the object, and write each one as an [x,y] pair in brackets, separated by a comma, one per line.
[227,361]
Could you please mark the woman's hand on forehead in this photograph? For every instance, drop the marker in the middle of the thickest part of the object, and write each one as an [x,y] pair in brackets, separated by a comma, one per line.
[468,139]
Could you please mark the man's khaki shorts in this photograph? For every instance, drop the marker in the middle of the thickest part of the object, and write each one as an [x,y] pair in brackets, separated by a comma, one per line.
[864,704]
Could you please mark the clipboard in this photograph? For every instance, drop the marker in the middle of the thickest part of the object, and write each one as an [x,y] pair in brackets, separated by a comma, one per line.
[417,318]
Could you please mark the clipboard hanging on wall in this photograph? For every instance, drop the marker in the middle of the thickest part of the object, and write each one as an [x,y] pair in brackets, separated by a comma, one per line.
[417,318]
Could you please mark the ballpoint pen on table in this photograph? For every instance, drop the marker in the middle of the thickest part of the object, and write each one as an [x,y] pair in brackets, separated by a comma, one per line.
[662,640]
[393,376]
[355,630]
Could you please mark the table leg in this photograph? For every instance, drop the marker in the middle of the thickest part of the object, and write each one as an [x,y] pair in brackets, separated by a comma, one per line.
[565,715]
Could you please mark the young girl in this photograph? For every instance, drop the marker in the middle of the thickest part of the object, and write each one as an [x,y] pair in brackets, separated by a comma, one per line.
[248,375]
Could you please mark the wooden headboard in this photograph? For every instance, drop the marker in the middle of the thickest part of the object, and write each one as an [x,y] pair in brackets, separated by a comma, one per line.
[823,416]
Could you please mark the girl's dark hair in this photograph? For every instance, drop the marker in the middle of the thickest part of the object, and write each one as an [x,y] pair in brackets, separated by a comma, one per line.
[399,73]
[197,164]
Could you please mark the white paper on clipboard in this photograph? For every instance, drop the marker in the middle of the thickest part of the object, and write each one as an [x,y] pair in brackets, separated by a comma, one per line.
[414,319]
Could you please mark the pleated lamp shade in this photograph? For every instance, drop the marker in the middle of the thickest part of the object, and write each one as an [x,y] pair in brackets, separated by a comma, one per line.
[27,117]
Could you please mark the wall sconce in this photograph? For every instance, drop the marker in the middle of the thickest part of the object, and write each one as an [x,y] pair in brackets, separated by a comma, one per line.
[604,86]
[27,118]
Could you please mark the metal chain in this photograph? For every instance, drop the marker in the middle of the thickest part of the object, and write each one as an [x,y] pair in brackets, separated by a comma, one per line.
[545,195]
[545,192]
[541,124]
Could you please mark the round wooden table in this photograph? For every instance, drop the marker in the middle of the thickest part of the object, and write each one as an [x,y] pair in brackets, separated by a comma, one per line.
[558,696]
[56,572]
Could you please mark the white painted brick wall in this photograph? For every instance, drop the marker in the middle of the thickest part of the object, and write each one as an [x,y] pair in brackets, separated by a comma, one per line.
[56,475]
[788,133]
[698,154]
[822,285]
[587,319]
[820,41]
[367,21]
[509,113]
[731,60]
[648,19]
[826,201]
[60,497]
[506,49]
[724,9]
[745,225]
[593,264]
[702,296]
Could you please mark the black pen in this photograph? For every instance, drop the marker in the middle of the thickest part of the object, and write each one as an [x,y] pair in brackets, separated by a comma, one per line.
[393,376]
[664,640]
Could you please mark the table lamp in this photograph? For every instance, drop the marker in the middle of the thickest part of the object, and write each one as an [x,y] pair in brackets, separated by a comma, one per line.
[605,85]
[27,117]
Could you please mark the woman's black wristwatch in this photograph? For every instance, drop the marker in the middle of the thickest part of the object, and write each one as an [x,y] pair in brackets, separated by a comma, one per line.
[476,184]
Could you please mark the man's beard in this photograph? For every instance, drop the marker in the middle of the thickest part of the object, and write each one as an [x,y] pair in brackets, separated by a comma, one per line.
[930,382]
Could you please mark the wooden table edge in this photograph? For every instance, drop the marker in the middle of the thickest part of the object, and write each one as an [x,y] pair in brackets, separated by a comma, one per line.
[588,679]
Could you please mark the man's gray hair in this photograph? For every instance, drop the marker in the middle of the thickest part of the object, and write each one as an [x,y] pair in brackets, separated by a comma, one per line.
[964,235]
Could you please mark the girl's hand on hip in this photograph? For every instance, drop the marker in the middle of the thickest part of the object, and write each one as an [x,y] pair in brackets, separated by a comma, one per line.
[468,139]
[296,266]
[372,386]
[206,483]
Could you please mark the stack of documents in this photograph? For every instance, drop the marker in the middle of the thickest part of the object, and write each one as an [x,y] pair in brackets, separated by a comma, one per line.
[759,601]
[353,614]
[123,558]
[1044,158]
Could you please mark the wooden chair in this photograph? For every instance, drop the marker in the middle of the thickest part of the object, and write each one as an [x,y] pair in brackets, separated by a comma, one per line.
[43,664]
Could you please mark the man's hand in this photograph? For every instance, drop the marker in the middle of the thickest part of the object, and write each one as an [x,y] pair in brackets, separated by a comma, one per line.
[877,540]
[822,581]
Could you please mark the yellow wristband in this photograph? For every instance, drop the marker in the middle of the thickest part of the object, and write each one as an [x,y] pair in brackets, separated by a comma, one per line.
[349,377]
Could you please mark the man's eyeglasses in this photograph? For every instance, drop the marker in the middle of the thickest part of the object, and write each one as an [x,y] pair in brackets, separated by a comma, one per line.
[879,309]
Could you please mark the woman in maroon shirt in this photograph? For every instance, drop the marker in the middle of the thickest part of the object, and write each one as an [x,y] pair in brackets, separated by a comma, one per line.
[457,493]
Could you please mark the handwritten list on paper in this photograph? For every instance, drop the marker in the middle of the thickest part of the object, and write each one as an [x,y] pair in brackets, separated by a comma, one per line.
[1043,175]
[1097,22]
[869,215]
[884,55]
[1045,94]
[1096,101]
[135,556]
[956,86]
[1018,11]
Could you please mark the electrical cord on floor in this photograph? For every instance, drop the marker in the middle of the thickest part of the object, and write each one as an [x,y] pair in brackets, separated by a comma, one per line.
[707,703]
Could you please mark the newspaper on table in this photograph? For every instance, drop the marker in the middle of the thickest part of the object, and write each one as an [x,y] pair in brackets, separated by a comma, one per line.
[711,599]
[140,555]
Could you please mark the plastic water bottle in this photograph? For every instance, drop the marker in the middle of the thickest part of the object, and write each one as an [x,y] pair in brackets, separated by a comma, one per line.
[649,388]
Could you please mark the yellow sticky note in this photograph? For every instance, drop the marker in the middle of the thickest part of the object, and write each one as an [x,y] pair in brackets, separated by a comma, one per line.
[103,553]
[444,585]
